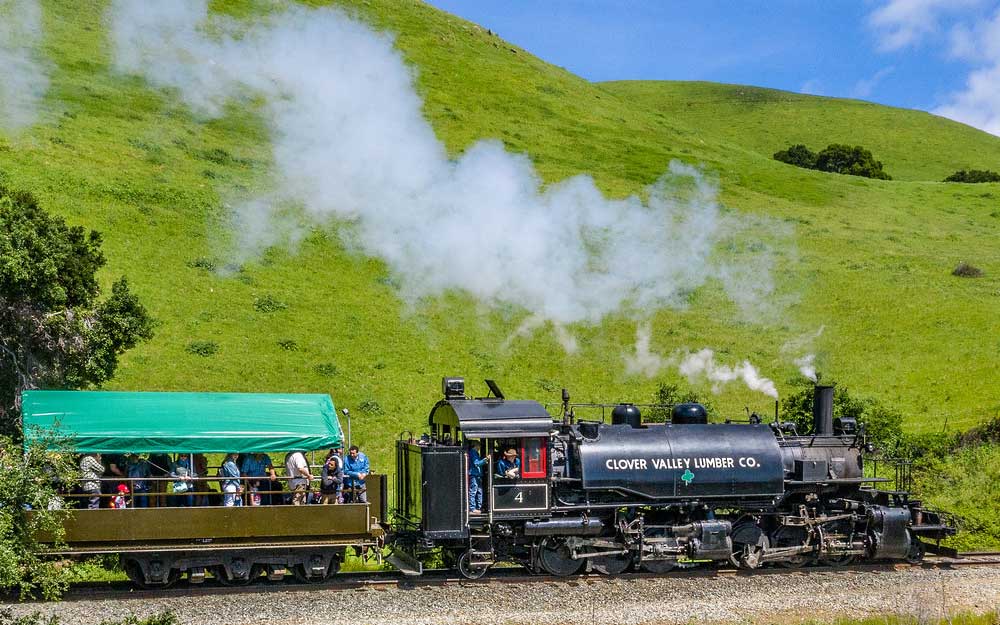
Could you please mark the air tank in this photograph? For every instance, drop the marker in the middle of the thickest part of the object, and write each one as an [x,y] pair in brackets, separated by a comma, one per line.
[626,414]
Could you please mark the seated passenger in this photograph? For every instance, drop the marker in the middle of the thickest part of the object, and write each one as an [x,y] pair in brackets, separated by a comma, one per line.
[356,469]
[138,470]
[258,465]
[231,487]
[509,465]
[209,494]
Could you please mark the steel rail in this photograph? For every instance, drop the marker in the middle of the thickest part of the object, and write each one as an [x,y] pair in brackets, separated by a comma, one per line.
[89,591]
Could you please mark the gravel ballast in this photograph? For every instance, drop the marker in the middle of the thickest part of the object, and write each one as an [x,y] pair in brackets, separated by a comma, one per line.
[790,597]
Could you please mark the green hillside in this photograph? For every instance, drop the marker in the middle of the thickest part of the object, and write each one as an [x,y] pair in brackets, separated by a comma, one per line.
[868,261]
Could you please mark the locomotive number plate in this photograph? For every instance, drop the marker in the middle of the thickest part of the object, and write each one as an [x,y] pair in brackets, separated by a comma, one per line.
[520,497]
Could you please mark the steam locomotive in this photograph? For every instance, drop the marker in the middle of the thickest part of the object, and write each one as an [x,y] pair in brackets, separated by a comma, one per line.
[654,496]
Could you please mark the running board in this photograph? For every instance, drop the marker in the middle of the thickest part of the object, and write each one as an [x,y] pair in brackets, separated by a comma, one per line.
[407,564]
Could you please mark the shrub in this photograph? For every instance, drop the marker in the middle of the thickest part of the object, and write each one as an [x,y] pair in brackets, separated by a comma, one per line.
[326,369]
[268,304]
[798,155]
[202,263]
[289,345]
[370,406]
[973,176]
[835,158]
[965,270]
[202,348]
[852,161]
[883,423]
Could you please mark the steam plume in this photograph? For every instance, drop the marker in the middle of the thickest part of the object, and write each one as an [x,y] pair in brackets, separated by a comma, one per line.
[24,79]
[702,364]
[351,145]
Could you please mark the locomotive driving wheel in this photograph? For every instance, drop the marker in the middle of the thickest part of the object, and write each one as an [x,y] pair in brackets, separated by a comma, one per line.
[555,557]
[611,565]
[916,553]
[791,536]
[469,568]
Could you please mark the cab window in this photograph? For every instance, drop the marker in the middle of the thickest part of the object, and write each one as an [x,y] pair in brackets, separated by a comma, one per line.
[533,458]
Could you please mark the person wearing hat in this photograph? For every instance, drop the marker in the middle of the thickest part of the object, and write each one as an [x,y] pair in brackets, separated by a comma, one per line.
[509,465]
[120,500]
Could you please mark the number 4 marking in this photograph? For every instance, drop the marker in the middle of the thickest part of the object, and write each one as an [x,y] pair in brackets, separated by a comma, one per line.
[519,497]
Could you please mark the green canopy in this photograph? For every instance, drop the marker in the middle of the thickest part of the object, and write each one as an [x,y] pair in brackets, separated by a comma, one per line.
[117,422]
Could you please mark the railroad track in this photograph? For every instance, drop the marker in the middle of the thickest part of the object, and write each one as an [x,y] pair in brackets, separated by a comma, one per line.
[512,575]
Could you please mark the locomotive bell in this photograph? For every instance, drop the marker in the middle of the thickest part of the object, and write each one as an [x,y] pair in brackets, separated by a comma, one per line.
[626,414]
[688,414]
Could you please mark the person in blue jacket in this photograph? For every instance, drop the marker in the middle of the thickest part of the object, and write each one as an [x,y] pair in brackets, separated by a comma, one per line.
[356,469]
[476,463]
[509,465]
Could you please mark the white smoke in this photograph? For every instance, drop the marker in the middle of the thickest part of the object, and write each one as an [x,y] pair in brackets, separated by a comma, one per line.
[643,360]
[803,345]
[351,145]
[23,76]
[702,364]
[807,366]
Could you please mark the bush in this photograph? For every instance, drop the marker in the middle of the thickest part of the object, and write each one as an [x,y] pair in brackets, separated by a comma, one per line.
[370,406]
[202,348]
[852,161]
[835,158]
[965,270]
[268,304]
[326,369]
[883,423]
[798,155]
[974,175]
[289,345]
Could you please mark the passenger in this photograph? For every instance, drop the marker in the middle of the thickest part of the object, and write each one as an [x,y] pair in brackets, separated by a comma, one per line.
[332,478]
[159,468]
[209,494]
[91,471]
[476,463]
[115,464]
[184,485]
[120,500]
[356,469]
[138,470]
[299,477]
[231,487]
[258,465]
[509,465]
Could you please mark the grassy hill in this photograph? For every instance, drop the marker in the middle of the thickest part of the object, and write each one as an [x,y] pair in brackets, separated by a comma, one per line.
[868,261]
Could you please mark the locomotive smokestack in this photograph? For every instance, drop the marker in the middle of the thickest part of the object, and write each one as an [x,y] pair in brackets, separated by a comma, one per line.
[823,410]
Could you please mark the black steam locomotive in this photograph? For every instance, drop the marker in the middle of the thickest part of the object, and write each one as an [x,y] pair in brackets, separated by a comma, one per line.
[653,496]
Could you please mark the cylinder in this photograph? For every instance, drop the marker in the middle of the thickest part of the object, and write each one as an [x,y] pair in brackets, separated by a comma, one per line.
[823,410]
[626,414]
[570,526]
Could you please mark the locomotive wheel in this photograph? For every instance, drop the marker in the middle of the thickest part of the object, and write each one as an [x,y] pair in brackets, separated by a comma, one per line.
[659,566]
[844,560]
[788,536]
[611,565]
[467,568]
[555,558]
[916,553]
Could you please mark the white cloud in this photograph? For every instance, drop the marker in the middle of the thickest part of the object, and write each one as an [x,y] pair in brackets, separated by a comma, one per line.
[813,86]
[903,23]
[865,87]
[978,104]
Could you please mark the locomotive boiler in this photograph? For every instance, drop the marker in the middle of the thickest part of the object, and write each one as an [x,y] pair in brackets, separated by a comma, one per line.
[653,496]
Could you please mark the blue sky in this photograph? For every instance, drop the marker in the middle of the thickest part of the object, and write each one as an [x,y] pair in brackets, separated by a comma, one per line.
[936,55]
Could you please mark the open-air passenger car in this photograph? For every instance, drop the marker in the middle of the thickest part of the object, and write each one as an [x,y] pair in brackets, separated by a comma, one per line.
[160,544]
